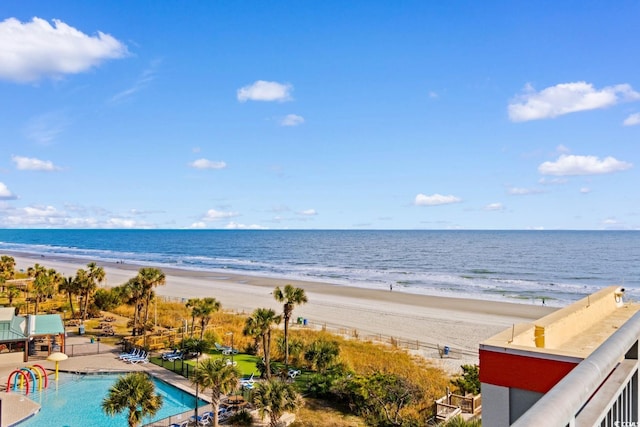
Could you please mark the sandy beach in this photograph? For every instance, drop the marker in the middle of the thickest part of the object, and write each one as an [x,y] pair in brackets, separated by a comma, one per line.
[455,322]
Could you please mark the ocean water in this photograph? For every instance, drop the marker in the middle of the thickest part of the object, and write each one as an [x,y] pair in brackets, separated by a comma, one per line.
[516,266]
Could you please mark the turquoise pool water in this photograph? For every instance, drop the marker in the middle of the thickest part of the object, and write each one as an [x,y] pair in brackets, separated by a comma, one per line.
[77,402]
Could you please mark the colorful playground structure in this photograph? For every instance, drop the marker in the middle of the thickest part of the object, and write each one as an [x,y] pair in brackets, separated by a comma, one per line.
[34,376]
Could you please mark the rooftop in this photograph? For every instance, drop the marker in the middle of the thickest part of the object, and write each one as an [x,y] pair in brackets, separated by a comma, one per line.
[574,331]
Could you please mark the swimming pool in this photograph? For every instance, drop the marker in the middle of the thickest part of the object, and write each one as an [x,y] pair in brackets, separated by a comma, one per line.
[77,401]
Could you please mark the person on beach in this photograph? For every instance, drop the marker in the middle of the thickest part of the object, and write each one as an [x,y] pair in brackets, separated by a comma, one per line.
[390,287]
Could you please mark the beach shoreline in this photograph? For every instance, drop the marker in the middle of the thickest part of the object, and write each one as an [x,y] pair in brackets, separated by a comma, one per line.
[443,321]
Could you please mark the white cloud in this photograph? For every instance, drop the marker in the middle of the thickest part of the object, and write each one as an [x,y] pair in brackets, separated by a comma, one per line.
[632,120]
[33,215]
[615,224]
[435,199]
[142,82]
[236,226]
[494,207]
[198,225]
[214,215]
[5,193]
[585,190]
[51,217]
[292,120]
[32,50]
[582,165]
[519,191]
[554,181]
[265,91]
[207,164]
[121,223]
[433,95]
[567,98]
[33,164]
[309,212]
[45,128]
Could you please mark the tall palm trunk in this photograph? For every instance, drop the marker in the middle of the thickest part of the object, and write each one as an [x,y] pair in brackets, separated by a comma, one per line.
[266,340]
[147,302]
[287,315]
[73,312]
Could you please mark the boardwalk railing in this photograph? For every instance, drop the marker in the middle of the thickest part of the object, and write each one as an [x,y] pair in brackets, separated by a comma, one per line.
[601,391]
[452,405]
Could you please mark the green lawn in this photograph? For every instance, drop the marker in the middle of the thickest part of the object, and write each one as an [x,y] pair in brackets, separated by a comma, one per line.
[246,364]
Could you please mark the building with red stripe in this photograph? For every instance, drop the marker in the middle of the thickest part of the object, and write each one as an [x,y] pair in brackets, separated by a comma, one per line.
[519,365]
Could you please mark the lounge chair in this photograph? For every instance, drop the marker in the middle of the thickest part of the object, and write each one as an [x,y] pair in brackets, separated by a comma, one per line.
[247,381]
[293,373]
[220,347]
[132,353]
[134,361]
[182,424]
[225,350]
[223,414]
[174,358]
[174,355]
[125,358]
[229,362]
[202,420]
[170,353]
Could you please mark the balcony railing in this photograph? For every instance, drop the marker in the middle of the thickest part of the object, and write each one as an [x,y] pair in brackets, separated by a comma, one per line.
[601,391]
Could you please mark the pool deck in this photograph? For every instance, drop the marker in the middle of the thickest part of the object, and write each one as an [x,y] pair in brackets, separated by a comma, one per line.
[16,407]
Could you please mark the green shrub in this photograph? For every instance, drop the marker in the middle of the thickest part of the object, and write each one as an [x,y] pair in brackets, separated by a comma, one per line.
[469,381]
[380,398]
[241,418]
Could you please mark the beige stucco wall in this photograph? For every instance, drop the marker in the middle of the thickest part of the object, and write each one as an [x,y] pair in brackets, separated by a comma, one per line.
[557,328]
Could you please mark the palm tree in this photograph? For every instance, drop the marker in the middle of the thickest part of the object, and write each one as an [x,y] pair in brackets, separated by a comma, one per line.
[12,292]
[295,345]
[322,354]
[259,325]
[70,286]
[88,281]
[149,278]
[7,267]
[44,283]
[205,309]
[221,378]
[274,398]
[291,297]
[84,290]
[202,309]
[134,392]
[133,292]
[194,345]
[36,269]
[192,303]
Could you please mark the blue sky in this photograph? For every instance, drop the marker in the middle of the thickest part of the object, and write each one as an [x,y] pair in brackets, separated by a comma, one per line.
[320,115]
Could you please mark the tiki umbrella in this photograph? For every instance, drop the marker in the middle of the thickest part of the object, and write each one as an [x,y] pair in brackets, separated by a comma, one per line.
[57,357]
